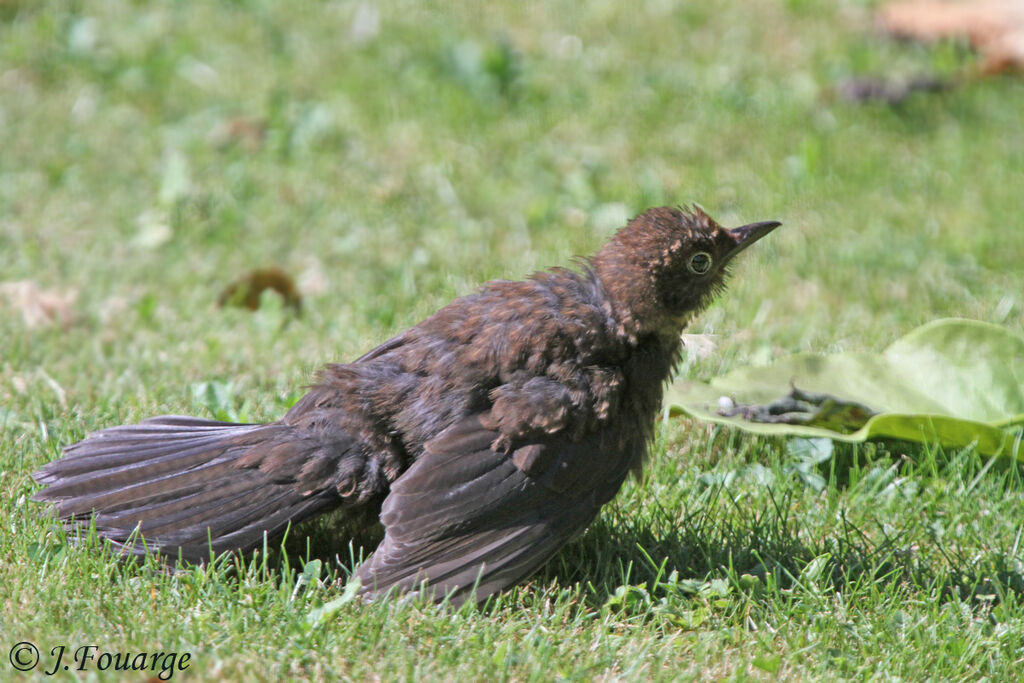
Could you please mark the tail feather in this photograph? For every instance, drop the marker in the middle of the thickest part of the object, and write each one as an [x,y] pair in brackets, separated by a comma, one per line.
[200,541]
[153,445]
[178,509]
[97,493]
[182,485]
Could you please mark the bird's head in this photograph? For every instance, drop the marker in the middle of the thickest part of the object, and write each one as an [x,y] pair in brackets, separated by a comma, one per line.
[667,264]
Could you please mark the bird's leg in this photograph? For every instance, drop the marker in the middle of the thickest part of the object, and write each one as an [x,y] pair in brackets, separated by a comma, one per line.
[800,407]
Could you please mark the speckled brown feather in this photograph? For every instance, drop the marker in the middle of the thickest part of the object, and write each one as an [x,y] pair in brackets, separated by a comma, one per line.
[487,436]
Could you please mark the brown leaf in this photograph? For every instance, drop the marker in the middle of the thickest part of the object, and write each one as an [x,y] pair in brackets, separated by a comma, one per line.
[994,27]
[889,91]
[246,291]
[245,132]
[38,306]
[313,281]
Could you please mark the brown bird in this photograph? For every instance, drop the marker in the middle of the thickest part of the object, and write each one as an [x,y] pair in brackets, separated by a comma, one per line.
[485,437]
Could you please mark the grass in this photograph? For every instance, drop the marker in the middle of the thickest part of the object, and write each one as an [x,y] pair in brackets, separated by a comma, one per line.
[153,153]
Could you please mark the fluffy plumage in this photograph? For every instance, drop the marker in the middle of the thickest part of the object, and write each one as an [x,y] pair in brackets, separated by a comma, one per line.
[486,436]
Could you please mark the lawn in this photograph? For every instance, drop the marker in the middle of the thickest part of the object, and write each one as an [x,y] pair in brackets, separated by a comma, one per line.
[391,156]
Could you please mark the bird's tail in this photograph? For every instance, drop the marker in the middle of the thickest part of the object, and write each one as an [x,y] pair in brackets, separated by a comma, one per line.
[184,486]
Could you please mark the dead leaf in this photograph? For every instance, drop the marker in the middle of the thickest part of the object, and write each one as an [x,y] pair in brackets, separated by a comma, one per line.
[154,229]
[313,280]
[890,92]
[246,291]
[40,307]
[994,27]
[247,133]
[365,24]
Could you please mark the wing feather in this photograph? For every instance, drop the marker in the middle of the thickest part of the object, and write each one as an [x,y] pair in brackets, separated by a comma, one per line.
[466,521]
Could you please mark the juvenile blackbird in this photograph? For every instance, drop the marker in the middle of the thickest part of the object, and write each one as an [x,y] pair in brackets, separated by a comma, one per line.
[485,437]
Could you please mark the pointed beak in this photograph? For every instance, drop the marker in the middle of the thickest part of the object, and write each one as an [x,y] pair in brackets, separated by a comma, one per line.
[745,235]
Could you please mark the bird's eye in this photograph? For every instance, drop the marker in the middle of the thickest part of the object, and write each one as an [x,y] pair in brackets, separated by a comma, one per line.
[700,263]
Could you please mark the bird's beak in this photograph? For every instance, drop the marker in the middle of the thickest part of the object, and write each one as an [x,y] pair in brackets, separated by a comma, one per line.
[745,235]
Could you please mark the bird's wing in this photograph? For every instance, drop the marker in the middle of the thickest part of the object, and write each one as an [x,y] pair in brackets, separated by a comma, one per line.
[470,521]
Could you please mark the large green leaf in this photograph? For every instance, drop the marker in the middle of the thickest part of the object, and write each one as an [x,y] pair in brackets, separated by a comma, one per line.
[955,382]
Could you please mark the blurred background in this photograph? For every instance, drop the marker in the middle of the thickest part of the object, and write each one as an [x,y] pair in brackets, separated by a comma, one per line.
[390,156]
[382,158]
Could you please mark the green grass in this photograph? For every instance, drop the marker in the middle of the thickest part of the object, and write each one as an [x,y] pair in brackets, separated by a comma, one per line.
[477,141]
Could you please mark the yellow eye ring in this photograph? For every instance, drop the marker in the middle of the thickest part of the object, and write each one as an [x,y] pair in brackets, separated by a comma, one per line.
[699,263]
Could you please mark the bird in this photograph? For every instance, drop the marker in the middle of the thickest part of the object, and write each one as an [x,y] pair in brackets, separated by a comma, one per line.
[483,439]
